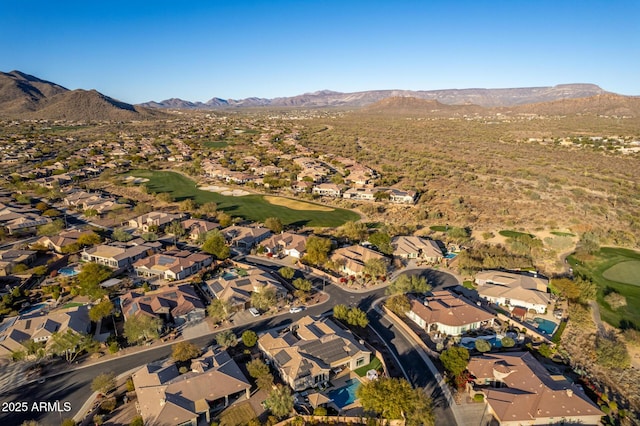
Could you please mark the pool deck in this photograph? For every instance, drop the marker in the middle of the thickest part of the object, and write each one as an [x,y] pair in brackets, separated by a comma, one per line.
[339,381]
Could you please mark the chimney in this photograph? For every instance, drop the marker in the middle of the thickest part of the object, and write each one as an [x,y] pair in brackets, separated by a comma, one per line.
[162,402]
[569,393]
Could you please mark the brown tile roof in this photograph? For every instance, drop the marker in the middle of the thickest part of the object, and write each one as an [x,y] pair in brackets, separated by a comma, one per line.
[530,390]
[446,308]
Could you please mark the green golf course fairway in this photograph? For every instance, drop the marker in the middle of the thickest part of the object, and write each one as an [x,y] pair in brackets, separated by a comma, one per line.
[252,207]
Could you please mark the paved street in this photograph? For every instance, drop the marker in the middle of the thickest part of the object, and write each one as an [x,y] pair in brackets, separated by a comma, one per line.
[74,384]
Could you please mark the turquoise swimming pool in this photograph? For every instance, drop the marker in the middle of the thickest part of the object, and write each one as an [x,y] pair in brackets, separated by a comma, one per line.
[68,271]
[346,394]
[545,326]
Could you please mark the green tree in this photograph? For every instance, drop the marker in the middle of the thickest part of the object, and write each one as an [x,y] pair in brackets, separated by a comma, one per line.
[257,368]
[286,272]
[101,310]
[340,312]
[224,219]
[375,267]
[588,290]
[357,317]
[280,401]
[565,287]
[394,398]
[104,383]
[354,231]
[409,284]
[188,205]
[455,360]
[137,421]
[70,344]
[184,351]
[507,342]
[302,284]
[89,279]
[216,245]
[399,304]
[317,250]
[482,345]
[226,338]
[119,234]
[263,299]
[140,328]
[208,209]
[89,239]
[249,338]
[219,310]
[382,241]
[274,224]
[544,350]
[176,228]
[68,422]
[50,229]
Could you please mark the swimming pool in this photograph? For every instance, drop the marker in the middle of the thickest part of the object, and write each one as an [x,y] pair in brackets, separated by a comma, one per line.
[228,276]
[33,308]
[68,271]
[450,255]
[346,394]
[471,344]
[545,326]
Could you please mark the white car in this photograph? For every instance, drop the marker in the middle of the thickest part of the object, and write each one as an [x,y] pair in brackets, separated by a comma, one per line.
[295,309]
[254,312]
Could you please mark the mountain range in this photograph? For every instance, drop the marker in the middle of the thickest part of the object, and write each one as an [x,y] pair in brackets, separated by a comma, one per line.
[28,97]
[25,96]
[328,98]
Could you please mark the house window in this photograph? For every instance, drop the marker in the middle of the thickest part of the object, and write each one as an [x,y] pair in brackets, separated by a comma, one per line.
[359,362]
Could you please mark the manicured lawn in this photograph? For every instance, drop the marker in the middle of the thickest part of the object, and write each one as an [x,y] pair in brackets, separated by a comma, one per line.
[237,415]
[469,285]
[72,305]
[216,144]
[614,269]
[439,228]
[251,207]
[515,234]
[375,364]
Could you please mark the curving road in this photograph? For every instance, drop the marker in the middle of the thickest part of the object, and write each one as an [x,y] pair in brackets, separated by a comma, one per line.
[74,385]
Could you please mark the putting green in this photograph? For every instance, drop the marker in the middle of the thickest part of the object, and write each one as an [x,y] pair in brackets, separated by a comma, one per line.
[624,272]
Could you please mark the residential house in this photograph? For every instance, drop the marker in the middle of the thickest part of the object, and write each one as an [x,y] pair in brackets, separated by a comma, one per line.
[166,398]
[176,305]
[514,289]
[410,247]
[197,228]
[10,258]
[120,255]
[360,194]
[17,223]
[157,220]
[61,242]
[40,326]
[352,260]
[236,286]
[286,244]
[399,196]
[447,313]
[175,265]
[306,353]
[302,186]
[327,189]
[519,390]
[245,237]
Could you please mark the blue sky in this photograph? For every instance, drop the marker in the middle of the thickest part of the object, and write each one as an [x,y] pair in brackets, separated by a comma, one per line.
[138,51]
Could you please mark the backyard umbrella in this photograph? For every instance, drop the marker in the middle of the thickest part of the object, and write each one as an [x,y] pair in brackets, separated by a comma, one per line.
[316,399]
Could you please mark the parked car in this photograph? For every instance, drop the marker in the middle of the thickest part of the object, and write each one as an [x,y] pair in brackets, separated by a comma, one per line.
[254,312]
[295,309]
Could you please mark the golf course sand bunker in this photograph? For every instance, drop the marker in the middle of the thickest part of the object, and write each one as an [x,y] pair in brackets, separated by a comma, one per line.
[136,180]
[296,205]
[223,190]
